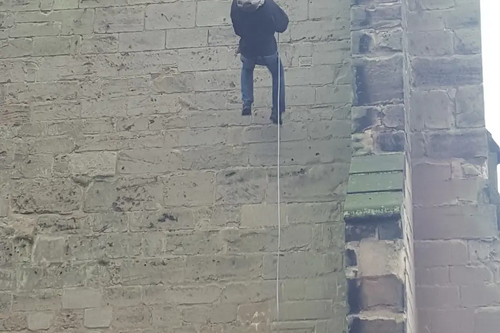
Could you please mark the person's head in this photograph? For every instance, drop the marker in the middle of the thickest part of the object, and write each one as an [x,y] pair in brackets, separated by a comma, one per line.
[249,5]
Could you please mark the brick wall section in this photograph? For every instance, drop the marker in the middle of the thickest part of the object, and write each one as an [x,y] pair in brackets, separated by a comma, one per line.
[378,206]
[133,194]
[455,225]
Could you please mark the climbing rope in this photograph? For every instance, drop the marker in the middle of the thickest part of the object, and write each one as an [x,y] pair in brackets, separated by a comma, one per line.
[279,189]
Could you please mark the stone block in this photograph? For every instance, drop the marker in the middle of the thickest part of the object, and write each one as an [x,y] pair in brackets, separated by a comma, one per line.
[457,144]
[447,72]
[464,275]
[40,321]
[470,106]
[6,302]
[382,42]
[165,316]
[222,36]
[431,4]
[241,186]
[18,47]
[306,310]
[318,30]
[261,215]
[213,13]
[214,58]
[466,14]
[15,115]
[99,44]
[375,182]
[418,21]
[430,43]
[49,249]
[302,265]
[467,41]
[92,164]
[318,183]
[372,258]
[440,253]
[220,313]
[313,213]
[379,80]
[388,325]
[64,4]
[432,276]
[486,321]
[47,196]
[454,222]
[98,317]
[148,161]
[442,319]
[377,163]
[35,29]
[141,41]
[132,317]
[223,268]
[151,271]
[257,134]
[124,194]
[380,17]
[248,292]
[189,295]
[437,297]
[81,298]
[320,10]
[385,292]
[300,152]
[190,188]
[119,19]
[171,15]
[432,109]
[181,38]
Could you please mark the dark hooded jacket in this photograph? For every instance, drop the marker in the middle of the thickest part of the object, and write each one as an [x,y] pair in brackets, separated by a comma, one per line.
[256,28]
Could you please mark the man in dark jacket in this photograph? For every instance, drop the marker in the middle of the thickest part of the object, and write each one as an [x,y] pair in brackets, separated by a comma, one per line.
[256,22]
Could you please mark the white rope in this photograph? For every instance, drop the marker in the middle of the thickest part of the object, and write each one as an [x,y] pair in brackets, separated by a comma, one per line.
[279,190]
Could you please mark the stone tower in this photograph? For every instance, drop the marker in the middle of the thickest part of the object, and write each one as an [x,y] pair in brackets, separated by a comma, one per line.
[136,199]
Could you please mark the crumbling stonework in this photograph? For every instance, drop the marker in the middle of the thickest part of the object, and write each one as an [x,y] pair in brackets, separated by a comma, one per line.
[134,196]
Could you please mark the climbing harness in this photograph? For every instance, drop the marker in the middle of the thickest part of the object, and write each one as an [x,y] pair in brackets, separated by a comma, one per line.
[279,188]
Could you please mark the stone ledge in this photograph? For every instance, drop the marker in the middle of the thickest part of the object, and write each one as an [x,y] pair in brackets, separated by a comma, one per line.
[361,206]
[375,187]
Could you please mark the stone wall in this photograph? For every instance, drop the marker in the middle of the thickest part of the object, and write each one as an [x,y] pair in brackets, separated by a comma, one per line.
[135,198]
[455,221]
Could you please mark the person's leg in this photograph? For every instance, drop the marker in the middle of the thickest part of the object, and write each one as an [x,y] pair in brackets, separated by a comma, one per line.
[247,69]
[275,66]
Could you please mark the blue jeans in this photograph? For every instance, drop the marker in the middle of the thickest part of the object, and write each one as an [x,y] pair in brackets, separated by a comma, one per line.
[271,62]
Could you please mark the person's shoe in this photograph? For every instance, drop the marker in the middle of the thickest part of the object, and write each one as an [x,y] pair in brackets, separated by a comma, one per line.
[274,118]
[247,111]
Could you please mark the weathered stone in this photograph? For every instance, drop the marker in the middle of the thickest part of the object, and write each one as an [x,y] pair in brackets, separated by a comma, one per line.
[432,43]
[375,182]
[42,196]
[456,143]
[49,249]
[99,44]
[241,186]
[44,46]
[40,321]
[469,106]
[391,141]
[446,72]
[81,298]
[116,19]
[141,41]
[376,326]
[388,16]
[124,194]
[98,318]
[425,21]
[132,317]
[90,164]
[191,189]
[14,48]
[431,109]
[171,16]
[379,80]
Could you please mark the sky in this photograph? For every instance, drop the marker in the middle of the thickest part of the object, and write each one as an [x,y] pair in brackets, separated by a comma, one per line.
[490,28]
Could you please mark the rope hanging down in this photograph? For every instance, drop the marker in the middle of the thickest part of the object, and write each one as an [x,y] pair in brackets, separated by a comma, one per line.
[279,189]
